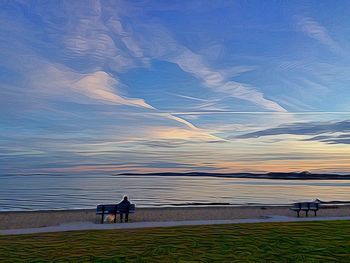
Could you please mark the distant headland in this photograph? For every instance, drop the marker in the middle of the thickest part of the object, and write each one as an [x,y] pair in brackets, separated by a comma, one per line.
[272,175]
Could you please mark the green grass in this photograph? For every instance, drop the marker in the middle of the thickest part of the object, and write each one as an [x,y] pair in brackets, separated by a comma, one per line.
[327,241]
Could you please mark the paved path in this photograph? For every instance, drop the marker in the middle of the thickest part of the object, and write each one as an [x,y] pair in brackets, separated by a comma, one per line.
[78,226]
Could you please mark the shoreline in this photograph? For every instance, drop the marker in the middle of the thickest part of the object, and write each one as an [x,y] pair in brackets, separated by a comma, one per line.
[324,204]
[47,218]
[199,205]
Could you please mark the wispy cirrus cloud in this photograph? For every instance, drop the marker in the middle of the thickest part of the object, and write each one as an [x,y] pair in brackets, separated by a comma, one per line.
[92,33]
[100,87]
[194,64]
[58,80]
[318,32]
[332,138]
[161,45]
[118,41]
[101,43]
[308,128]
[86,38]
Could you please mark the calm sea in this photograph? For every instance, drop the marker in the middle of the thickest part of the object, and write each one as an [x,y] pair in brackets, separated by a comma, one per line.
[37,192]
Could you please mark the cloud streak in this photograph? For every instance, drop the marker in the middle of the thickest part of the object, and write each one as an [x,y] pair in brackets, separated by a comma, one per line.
[306,128]
[100,86]
[332,139]
[318,32]
[170,50]
[105,42]
[194,64]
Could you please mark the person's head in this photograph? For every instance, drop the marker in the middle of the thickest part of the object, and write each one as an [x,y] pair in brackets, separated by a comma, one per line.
[125,198]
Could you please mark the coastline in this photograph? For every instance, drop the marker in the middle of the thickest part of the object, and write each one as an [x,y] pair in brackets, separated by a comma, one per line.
[45,218]
[305,176]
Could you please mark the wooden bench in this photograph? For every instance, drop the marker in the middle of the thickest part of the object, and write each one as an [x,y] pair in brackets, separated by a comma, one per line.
[113,209]
[305,206]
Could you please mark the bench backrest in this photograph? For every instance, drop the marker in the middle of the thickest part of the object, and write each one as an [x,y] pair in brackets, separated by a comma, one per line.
[113,208]
[314,205]
[106,209]
[306,205]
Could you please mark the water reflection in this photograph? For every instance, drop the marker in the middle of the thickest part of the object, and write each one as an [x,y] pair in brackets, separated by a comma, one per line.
[62,192]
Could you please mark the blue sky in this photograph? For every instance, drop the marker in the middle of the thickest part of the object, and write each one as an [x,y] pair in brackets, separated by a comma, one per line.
[143,86]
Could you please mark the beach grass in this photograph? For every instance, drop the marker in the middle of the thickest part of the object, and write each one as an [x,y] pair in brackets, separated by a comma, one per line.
[326,241]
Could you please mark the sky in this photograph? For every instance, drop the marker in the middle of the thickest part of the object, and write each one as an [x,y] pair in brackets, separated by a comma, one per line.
[154,86]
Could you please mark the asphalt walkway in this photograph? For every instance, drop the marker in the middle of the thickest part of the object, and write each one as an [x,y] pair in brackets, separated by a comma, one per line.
[80,226]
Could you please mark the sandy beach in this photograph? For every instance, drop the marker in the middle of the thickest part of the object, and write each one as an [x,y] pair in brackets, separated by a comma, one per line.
[32,219]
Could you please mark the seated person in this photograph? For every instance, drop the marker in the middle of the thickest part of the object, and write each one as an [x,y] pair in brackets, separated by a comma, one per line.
[124,207]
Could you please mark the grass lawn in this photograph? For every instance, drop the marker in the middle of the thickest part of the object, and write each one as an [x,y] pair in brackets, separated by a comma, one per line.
[327,241]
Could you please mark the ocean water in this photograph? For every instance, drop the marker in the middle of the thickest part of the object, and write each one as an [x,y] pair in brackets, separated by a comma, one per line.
[37,192]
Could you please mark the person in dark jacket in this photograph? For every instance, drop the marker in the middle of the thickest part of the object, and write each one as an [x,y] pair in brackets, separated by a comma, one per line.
[124,207]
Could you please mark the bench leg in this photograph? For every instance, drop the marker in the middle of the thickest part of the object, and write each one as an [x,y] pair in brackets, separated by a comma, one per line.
[298,213]
[102,217]
[307,212]
[115,217]
[315,213]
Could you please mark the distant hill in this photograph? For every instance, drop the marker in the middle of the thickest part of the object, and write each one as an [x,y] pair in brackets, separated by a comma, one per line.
[273,175]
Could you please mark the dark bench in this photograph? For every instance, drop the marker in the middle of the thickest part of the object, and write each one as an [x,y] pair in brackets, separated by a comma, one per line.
[113,209]
[306,206]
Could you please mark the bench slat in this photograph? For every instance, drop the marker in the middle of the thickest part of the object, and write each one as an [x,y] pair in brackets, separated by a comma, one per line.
[113,208]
